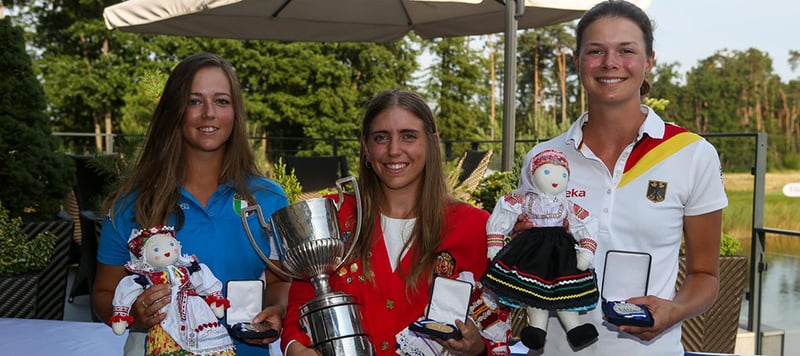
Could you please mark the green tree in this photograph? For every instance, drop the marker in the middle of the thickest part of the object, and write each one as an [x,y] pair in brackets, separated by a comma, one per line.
[788,112]
[318,90]
[36,176]
[455,85]
[665,82]
[794,59]
[549,92]
[95,78]
[733,92]
[83,85]
[489,99]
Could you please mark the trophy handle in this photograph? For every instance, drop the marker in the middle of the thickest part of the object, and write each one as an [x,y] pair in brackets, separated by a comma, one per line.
[257,208]
[359,214]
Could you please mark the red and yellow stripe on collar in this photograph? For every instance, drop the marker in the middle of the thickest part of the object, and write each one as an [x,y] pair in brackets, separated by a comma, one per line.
[650,151]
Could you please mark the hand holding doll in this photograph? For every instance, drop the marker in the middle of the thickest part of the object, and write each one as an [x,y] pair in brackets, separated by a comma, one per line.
[196,301]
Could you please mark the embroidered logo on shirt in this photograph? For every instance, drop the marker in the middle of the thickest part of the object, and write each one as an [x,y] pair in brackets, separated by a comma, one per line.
[239,203]
[656,191]
[445,265]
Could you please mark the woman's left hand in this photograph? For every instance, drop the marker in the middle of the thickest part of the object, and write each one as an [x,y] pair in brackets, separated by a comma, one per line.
[471,343]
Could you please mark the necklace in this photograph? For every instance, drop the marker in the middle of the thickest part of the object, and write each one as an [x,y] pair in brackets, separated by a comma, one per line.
[530,199]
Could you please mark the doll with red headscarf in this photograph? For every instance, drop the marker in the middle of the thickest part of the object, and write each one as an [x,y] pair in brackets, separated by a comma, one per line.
[192,325]
[549,267]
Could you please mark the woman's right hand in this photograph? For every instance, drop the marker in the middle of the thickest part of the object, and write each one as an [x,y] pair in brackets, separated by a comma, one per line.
[297,349]
[145,309]
[521,225]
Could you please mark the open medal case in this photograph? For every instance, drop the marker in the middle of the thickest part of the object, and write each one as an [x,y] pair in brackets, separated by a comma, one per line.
[449,302]
[247,298]
[626,275]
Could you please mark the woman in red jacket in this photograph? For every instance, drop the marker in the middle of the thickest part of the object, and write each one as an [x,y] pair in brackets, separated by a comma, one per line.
[412,230]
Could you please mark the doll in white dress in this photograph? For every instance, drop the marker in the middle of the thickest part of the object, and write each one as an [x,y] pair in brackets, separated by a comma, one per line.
[196,305]
[549,267]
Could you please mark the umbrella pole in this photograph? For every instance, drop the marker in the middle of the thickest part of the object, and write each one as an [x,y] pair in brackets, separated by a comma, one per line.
[510,78]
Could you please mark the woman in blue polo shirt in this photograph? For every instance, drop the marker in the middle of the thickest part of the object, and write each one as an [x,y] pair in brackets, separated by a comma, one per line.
[196,172]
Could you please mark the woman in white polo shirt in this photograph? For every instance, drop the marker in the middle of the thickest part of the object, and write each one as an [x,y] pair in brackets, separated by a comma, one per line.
[647,182]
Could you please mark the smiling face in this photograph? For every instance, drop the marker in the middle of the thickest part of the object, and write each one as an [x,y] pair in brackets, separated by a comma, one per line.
[612,60]
[551,178]
[161,251]
[209,116]
[395,147]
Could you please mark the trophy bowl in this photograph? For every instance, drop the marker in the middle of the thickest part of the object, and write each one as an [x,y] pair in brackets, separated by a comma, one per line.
[308,239]
[310,246]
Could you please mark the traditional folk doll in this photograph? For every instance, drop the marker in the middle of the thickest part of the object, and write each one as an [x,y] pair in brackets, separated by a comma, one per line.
[549,267]
[192,324]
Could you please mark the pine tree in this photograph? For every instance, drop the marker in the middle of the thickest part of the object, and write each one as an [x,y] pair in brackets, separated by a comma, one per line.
[35,177]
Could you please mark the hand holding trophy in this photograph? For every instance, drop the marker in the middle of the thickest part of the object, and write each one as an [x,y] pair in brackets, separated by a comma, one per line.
[311,247]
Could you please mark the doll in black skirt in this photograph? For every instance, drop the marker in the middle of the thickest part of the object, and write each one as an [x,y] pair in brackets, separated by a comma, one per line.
[549,267]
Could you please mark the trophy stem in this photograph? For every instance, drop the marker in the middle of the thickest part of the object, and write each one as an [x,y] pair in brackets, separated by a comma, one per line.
[321,285]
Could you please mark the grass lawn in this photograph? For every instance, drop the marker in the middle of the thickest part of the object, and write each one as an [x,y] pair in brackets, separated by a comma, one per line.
[780,211]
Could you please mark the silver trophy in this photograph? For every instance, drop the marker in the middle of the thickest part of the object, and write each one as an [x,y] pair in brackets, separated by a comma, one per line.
[310,246]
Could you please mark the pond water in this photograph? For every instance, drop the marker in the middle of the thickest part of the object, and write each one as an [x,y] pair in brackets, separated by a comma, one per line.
[780,296]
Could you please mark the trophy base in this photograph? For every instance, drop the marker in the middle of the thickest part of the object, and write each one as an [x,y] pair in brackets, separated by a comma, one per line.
[352,345]
[333,322]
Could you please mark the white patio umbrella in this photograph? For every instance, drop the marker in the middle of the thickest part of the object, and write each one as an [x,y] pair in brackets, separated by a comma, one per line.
[353,21]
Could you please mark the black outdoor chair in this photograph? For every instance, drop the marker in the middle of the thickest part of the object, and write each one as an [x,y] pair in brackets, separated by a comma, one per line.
[89,190]
[316,173]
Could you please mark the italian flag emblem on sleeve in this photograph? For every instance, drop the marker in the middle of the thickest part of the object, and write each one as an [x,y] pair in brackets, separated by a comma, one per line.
[239,203]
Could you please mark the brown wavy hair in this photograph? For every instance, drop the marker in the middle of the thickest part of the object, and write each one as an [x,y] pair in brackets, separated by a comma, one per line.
[431,211]
[160,168]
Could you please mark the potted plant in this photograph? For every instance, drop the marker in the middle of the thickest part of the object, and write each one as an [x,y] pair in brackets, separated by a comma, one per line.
[715,330]
[21,259]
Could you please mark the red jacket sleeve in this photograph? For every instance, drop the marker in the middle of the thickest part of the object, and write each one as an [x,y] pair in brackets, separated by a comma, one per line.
[300,292]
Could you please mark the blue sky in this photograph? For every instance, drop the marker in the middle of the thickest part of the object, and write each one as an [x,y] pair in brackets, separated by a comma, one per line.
[689,30]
